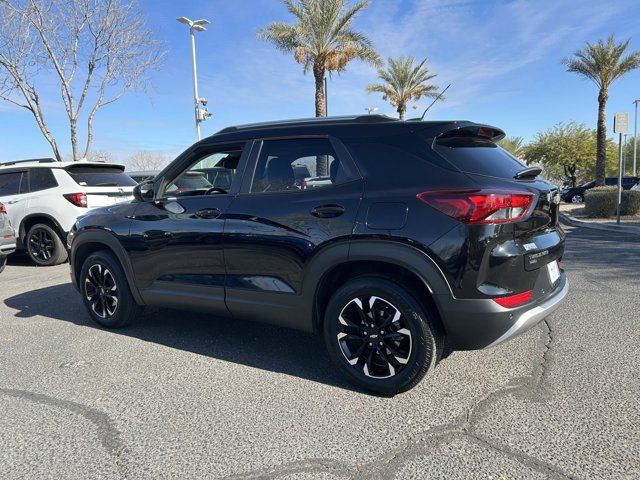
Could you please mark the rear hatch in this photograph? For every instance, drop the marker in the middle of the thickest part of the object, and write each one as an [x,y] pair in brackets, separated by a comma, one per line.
[104,184]
[514,251]
[483,160]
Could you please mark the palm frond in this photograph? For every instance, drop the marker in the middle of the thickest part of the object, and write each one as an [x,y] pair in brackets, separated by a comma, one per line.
[404,81]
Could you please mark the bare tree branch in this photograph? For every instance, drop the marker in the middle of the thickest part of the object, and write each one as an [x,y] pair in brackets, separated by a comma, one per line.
[97,50]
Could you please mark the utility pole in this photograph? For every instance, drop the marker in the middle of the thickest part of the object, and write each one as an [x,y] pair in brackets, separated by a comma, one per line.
[201,114]
[621,127]
[624,155]
[635,139]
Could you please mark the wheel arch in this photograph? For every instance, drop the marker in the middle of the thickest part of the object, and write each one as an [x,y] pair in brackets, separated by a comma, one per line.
[86,242]
[30,220]
[407,265]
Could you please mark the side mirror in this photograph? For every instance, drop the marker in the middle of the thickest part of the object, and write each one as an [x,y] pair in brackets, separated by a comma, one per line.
[143,192]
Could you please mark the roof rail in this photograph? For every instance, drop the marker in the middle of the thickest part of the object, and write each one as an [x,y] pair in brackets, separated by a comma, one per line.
[311,120]
[31,160]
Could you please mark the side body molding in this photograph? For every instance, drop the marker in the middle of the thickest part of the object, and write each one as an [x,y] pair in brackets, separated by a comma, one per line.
[108,239]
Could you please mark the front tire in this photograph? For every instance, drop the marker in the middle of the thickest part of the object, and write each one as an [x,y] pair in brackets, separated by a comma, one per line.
[44,246]
[105,291]
[577,198]
[380,337]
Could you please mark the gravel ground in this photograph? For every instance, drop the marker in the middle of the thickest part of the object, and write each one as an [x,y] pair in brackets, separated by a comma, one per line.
[181,395]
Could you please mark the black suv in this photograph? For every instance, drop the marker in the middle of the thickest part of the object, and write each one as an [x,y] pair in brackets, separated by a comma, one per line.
[576,194]
[426,237]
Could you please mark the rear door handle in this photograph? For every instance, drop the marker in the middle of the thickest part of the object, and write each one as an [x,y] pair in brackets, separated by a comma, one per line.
[208,213]
[327,211]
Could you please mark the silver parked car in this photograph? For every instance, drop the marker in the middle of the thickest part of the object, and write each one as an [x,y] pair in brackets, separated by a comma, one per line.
[7,237]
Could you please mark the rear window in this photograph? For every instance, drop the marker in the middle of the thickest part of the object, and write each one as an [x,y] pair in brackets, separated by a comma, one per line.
[478,155]
[98,176]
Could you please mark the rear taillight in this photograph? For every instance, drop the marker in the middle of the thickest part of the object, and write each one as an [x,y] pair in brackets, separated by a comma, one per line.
[78,199]
[515,300]
[3,209]
[480,206]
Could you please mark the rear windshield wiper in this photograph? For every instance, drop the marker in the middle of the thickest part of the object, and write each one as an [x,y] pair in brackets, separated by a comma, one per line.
[528,173]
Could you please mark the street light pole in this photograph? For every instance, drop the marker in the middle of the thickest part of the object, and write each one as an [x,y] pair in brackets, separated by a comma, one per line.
[195,80]
[201,114]
[635,138]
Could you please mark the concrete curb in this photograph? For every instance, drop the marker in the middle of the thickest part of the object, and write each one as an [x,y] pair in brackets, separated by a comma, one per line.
[573,221]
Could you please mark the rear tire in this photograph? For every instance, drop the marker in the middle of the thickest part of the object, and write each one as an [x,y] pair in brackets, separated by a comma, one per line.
[380,337]
[577,198]
[3,263]
[44,246]
[105,291]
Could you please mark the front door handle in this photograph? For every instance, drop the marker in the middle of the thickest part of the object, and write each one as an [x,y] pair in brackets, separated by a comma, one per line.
[208,213]
[327,211]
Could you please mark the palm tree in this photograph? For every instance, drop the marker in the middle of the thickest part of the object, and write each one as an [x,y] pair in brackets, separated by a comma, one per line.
[404,80]
[513,145]
[322,39]
[603,63]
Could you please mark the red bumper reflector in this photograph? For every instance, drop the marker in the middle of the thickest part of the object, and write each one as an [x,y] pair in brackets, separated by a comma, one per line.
[515,300]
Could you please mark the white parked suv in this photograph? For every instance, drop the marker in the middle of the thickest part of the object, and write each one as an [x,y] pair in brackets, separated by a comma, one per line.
[43,199]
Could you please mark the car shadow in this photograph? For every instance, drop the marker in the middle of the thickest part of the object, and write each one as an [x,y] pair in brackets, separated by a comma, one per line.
[254,344]
[20,259]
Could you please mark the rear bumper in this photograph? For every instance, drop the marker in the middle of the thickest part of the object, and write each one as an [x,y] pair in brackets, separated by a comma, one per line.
[7,248]
[481,323]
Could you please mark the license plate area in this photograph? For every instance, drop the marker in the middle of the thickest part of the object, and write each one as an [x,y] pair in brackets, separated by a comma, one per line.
[554,272]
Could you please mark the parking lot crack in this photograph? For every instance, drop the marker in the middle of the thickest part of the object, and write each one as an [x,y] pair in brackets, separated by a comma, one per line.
[106,431]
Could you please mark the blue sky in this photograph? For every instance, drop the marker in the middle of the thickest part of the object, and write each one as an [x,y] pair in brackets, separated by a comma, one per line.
[501,57]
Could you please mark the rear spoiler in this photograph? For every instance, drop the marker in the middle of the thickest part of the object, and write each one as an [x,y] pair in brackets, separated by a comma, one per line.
[94,165]
[461,128]
[475,130]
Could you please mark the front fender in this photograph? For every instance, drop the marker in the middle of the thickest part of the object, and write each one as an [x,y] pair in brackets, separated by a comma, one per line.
[88,240]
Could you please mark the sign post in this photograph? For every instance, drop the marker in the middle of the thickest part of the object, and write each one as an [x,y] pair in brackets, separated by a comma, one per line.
[620,126]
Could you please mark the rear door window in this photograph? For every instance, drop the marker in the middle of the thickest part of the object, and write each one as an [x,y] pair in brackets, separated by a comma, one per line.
[41,179]
[99,176]
[10,183]
[471,154]
[279,159]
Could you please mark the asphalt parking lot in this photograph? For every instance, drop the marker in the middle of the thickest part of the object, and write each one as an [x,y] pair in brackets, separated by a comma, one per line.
[181,395]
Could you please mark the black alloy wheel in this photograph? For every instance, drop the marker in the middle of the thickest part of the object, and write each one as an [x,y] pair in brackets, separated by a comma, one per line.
[372,335]
[101,291]
[105,291]
[44,246]
[380,335]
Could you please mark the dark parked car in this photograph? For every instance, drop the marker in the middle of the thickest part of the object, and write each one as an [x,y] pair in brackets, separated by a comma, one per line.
[427,238]
[576,194]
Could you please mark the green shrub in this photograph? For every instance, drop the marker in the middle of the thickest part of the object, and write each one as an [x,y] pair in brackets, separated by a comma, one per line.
[630,204]
[600,202]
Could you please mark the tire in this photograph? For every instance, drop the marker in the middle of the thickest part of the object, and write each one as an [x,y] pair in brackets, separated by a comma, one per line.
[415,336]
[3,263]
[102,280]
[44,246]
[577,198]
